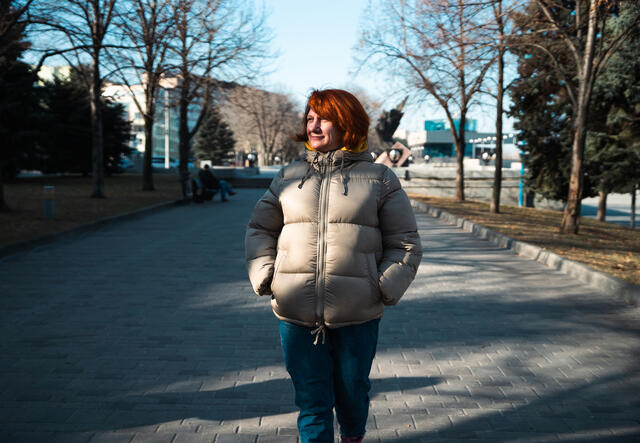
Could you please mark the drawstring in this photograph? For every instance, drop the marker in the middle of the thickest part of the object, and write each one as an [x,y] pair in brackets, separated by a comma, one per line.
[317,331]
[309,169]
[342,177]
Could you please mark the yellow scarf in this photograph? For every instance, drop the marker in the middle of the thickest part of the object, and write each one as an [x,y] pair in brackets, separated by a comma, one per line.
[362,146]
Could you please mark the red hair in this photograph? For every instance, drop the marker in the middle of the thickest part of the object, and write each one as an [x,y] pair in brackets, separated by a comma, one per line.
[343,110]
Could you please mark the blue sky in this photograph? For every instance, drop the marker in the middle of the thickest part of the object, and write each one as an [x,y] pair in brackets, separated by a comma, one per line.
[316,40]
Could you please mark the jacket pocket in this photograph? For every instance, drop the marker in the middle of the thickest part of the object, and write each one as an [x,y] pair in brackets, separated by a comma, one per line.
[279,259]
[372,272]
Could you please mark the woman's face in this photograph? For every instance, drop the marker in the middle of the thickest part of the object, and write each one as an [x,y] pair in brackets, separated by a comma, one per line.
[323,136]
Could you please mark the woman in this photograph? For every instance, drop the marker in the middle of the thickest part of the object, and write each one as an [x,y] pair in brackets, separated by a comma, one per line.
[332,241]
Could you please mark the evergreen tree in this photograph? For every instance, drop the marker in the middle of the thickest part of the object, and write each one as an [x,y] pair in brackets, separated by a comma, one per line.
[544,117]
[65,138]
[614,140]
[18,98]
[214,140]
[578,39]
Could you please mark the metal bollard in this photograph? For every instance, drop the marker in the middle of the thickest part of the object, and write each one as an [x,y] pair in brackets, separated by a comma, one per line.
[49,193]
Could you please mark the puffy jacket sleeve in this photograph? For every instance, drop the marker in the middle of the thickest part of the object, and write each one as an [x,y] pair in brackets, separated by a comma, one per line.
[261,238]
[402,250]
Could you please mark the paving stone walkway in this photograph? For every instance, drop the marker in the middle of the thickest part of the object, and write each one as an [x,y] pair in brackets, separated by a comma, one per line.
[147,331]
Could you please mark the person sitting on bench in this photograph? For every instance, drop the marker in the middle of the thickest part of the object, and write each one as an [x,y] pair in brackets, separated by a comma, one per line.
[210,183]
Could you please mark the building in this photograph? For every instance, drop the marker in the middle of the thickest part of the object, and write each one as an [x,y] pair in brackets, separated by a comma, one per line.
[165,127]
[165,132]
[436,141]
[50,73]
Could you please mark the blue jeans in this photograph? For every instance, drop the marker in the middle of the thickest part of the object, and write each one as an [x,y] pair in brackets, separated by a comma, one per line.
[225,189]
[333,374]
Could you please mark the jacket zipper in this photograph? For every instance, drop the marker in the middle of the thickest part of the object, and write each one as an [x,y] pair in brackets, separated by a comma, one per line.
[322,242]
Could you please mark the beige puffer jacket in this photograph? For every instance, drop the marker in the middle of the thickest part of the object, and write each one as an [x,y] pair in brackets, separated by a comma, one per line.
[333,240]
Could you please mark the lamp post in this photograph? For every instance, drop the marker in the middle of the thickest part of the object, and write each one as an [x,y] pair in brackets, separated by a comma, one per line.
[521,184]
[394,156]
[252,159]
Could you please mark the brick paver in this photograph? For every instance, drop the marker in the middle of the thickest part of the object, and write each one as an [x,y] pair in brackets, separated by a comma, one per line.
[147,331]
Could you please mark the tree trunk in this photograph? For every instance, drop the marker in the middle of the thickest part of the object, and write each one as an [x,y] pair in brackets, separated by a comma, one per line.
[494,208]
[458,138]
[633,207]
[97,139]
[183,134]
[149,119]
[147,173]
[459,171]
[571,217]
[602,206]
[3,203]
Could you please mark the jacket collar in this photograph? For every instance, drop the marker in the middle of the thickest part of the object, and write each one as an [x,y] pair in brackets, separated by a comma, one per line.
[336,157]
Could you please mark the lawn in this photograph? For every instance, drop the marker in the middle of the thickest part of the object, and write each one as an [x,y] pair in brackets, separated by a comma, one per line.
[607,247]
[73,207]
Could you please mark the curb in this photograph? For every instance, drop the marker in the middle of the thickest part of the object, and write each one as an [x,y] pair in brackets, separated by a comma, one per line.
[91,226]
[629,292]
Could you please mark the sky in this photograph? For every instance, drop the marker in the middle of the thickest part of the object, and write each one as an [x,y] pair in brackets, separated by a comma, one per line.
[315,41]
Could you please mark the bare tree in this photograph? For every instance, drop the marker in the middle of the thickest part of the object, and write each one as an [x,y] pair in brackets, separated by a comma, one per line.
[432,46]
[373,107]
[583,30]
[14,17]
[498,34]
[267,117]
[213,37]
[147,28]
[494,207]
[81,26]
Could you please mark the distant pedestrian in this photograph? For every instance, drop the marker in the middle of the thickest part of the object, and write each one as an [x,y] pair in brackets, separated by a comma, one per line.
[210,183]
[332,241]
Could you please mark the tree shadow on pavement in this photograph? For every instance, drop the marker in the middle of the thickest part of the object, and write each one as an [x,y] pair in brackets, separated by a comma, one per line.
[242,401]
[185,337]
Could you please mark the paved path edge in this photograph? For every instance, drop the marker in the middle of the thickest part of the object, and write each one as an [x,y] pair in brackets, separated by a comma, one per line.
[629,292]
[14,248]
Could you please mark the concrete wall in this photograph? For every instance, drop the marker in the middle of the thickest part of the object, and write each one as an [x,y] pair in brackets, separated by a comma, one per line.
[439,180]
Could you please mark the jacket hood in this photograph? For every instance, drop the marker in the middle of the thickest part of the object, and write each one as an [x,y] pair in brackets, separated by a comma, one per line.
[317,160]
[340,157]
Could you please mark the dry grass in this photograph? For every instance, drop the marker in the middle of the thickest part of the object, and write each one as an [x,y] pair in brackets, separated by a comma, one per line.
[607,247]
[73,207]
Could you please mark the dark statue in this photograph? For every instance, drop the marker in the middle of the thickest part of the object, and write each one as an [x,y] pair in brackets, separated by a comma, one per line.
[389,121]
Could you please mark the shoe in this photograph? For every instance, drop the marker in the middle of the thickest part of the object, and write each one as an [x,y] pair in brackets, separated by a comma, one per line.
[225,200]
[232,193]
[351,439]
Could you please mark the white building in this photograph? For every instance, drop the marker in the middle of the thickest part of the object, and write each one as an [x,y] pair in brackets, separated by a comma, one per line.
[50,73]
[436,141]
[165,131]
[165,127]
